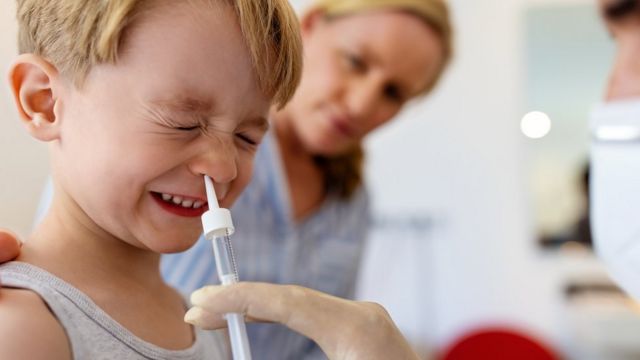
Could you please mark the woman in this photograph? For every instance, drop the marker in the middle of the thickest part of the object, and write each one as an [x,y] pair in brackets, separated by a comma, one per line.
[304,217]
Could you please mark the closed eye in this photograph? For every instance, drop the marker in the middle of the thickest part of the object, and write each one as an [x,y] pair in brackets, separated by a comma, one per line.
[187,128]
[247,139]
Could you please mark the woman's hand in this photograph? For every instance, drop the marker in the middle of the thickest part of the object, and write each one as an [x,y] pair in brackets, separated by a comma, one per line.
[9,246]
[344,329]
[623,20]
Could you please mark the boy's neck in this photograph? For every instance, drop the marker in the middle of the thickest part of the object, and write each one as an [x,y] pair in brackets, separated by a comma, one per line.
[69,244]
[121,279]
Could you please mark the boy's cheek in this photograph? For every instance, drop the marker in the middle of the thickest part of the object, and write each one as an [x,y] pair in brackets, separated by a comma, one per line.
[245,174]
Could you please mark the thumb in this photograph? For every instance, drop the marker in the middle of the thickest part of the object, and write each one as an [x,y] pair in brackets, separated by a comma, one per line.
[9,246]
[257,301]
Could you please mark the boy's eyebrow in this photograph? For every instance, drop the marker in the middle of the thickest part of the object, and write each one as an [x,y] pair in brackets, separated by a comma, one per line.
[185,104]
[260,121]
[190,104]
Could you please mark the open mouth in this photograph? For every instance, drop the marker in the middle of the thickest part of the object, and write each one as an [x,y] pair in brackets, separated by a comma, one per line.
[180,205]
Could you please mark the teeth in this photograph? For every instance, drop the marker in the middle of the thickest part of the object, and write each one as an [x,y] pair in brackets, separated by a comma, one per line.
[186,203]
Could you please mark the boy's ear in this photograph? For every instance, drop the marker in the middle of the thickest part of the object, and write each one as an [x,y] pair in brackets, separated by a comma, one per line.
[31,78]
[310,21]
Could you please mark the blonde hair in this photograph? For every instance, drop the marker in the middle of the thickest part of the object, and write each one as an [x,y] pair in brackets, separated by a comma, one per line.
[343,173]
[76,35]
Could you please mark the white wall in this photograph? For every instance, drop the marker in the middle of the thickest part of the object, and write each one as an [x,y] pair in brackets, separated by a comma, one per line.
[460,156]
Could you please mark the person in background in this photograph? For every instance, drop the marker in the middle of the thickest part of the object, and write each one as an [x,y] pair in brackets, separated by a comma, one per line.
[304,217]
[615,152]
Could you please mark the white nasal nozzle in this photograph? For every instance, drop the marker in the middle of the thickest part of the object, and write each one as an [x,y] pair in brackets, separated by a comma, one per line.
[216,221]
[211,193]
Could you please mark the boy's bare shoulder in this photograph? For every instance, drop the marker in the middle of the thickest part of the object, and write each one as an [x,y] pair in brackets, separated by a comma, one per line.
[28,329]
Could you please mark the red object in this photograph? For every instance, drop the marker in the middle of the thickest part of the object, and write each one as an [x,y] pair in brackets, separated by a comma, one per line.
[498,344]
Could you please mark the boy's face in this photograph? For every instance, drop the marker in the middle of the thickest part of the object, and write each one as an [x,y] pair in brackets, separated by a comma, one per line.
[182,101]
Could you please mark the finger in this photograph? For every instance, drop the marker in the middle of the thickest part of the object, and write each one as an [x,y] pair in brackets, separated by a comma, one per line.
[342,328]
[266,302]
[201,318]
[233,299]
[9,246]
[262,302]
[308,312]
[208,320]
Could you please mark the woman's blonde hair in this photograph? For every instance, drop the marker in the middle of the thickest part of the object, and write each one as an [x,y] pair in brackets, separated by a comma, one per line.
[75,35]
[343,174]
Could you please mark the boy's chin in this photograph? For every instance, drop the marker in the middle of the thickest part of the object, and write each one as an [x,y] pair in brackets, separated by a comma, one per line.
[171,246]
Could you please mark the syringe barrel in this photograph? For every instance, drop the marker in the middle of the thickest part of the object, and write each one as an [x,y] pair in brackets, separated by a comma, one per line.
[238,337]
[225,262]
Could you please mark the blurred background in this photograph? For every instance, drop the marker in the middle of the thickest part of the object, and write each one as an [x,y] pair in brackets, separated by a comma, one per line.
[479,192]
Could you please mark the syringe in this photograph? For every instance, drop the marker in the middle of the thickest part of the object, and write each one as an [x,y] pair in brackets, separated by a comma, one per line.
[218,226]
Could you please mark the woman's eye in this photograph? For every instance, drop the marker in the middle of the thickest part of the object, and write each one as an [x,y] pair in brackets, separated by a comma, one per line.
[392,93]
[355,62]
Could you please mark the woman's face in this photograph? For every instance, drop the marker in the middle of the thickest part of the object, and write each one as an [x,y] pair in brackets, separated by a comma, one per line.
[359,71]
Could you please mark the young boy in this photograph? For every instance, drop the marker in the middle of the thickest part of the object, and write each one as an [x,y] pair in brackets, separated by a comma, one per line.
[137,100]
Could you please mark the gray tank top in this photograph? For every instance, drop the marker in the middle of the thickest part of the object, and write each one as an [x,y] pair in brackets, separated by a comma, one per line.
[92,333]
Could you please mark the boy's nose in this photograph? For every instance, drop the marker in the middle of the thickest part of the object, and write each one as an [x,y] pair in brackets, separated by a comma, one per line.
[218,161]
